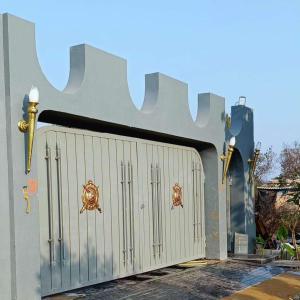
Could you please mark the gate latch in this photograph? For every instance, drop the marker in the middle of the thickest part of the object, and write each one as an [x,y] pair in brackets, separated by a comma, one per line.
[27,199]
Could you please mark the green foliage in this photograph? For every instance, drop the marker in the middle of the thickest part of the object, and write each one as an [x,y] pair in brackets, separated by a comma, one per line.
[289,249]
[260,240]
[282,233]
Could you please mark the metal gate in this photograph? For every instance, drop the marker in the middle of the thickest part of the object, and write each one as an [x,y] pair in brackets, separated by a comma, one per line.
[138,229]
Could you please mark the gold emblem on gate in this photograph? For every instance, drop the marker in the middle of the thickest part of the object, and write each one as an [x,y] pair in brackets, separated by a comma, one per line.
[90,197]
[177,195]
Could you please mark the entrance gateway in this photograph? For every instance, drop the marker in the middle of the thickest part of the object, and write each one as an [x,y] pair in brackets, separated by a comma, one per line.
[138,229]
[124,187]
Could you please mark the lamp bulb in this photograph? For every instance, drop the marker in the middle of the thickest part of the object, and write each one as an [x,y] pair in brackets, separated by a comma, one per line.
[34,95]
[232,141]
[258,146]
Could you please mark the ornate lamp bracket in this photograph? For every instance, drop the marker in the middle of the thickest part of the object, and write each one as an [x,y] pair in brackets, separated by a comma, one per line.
[29,125]
[227,158]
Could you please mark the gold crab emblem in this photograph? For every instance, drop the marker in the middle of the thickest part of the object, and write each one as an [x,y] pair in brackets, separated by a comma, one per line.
[90,197]
[177,195]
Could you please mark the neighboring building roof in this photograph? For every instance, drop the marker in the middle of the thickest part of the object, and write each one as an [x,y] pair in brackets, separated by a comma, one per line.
[277,185]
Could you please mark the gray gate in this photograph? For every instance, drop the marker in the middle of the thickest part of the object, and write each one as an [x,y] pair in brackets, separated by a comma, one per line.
[138,229]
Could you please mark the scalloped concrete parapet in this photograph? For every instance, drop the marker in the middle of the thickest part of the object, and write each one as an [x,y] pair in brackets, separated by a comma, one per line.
[97,88]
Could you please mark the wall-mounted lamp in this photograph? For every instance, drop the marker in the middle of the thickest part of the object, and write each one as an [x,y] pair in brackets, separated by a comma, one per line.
[253,161]
[227,158]
[29,125]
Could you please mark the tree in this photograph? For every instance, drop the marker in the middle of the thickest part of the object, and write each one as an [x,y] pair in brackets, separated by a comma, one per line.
[290,217]
[290,161]
[264,166]
[267,214]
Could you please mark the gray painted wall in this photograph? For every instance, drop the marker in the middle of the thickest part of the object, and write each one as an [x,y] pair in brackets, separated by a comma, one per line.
[97,90]
[242,128]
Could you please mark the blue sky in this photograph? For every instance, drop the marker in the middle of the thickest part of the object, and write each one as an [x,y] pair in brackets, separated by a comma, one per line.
[230,48]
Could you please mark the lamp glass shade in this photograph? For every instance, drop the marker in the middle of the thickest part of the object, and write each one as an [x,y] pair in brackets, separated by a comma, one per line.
[232,141]
[34,95]
[258,146]
[242,100]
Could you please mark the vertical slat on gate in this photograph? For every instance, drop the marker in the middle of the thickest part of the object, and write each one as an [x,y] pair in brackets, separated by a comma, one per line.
[180,209]
[200,205]
[55,261]
[195,206]
[149,201]
[126,148]
[91,215]
[140,205]
[187,203]
[155,210]
[197,202]
[114,205]
[135,208]
[75,205]
[202,209]
[177,208]
[99,219]
[43,212]
[62,164]
[83,238]
[146,246]
[173,224]
[190,167]
[167,204]
[119,160]
[107,210]
[190,209]
[161,200]
[193,196]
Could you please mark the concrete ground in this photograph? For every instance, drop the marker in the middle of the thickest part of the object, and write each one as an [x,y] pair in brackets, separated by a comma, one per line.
[194,280]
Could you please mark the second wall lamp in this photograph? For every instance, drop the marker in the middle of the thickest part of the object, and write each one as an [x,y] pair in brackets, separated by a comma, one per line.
[253,161]
[227,158]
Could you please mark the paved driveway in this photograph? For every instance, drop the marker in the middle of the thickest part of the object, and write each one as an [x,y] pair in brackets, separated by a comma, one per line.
[213,280]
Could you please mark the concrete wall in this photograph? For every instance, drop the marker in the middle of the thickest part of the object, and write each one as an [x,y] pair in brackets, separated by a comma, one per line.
[242,128]
[97,90]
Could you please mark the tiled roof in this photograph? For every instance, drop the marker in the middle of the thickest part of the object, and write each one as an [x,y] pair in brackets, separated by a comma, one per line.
[276,185]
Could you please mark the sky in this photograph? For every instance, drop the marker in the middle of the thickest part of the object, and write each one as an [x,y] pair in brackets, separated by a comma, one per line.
[230,48]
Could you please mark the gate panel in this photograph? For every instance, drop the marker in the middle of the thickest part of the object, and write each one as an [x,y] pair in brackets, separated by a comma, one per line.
[138,229]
